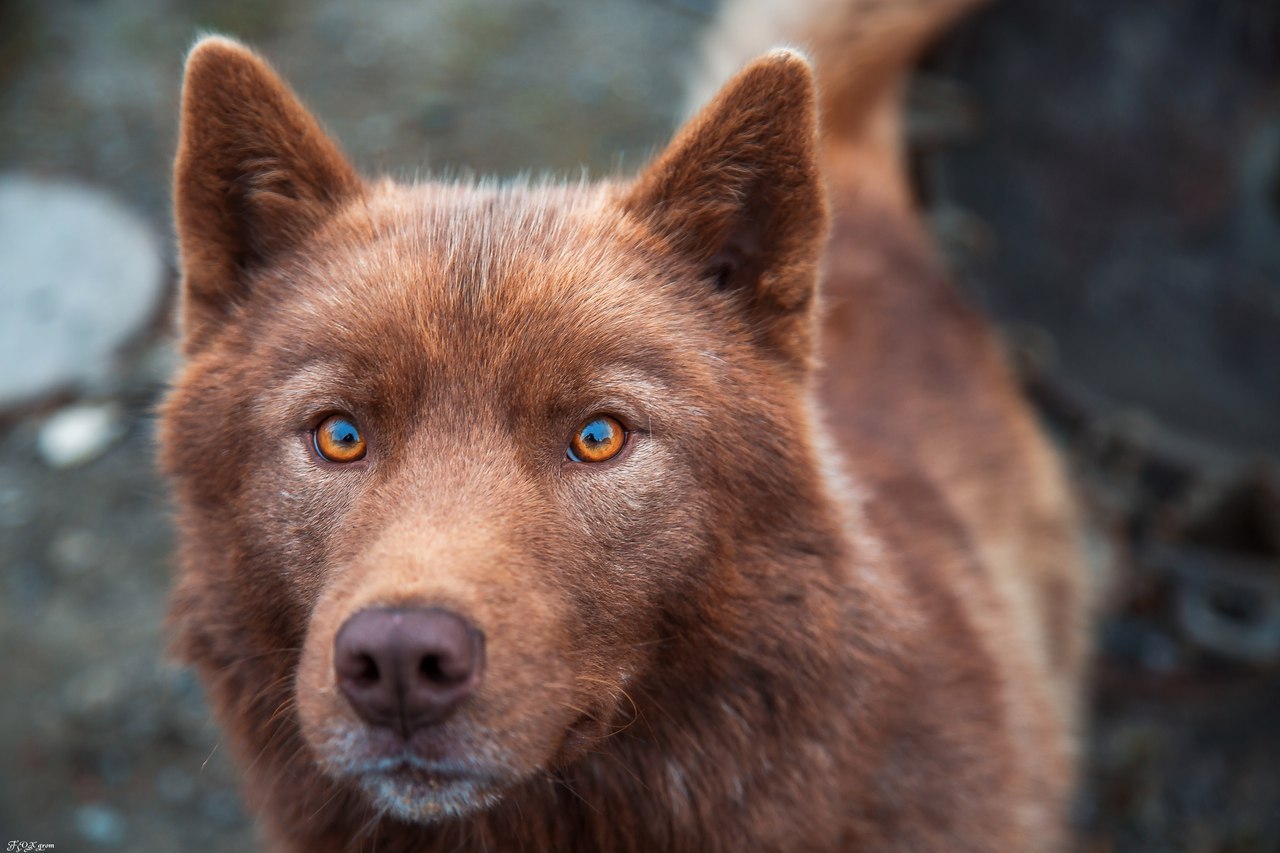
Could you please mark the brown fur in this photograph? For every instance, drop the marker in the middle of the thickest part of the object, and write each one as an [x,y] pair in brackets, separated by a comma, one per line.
[807,608]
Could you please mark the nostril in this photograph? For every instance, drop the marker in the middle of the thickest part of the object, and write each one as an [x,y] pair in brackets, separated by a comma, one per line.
[432,669]
[447,668]
[365,670]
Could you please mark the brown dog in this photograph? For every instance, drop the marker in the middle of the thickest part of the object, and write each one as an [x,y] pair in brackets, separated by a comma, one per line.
[524,517]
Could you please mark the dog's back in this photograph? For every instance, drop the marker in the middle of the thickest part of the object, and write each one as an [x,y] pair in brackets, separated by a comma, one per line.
[789,584]
[914,382]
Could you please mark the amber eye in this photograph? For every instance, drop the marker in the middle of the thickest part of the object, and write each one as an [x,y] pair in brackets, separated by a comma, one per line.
[597,440]
[338,439]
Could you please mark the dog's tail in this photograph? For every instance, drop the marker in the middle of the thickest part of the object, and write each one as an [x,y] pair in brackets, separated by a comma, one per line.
[862,50]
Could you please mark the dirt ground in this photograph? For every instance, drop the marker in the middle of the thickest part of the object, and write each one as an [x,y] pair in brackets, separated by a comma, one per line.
[1104,178]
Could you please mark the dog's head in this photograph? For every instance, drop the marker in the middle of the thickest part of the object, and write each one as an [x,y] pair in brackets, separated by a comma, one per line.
[479,467]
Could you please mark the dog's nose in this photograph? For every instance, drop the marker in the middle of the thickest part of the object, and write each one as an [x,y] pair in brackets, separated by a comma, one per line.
[407,668]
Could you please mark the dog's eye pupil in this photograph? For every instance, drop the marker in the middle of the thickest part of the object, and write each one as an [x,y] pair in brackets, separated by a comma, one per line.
[597,440]
[338,439]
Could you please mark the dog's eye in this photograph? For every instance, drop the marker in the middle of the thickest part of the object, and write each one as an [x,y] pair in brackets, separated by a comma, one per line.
[338,439]
[599,439]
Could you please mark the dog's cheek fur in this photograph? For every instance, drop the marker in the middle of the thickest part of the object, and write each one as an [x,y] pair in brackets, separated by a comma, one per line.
[240,606]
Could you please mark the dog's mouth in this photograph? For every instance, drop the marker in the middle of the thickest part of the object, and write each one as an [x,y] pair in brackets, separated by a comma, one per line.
[419,790]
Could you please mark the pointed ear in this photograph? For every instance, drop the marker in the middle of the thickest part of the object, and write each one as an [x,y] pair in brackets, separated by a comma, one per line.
[254,175]
[738,193]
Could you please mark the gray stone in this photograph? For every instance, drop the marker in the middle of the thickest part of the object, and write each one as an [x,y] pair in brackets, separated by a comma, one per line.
[80,275]
[79,434]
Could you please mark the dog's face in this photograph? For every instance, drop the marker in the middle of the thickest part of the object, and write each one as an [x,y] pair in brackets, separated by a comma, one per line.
[474,461]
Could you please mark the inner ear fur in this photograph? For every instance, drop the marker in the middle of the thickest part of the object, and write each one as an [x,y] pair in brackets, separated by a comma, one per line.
[739,194]
[254,175]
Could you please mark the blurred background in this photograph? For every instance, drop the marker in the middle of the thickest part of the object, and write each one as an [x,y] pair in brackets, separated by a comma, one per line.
[1104,179]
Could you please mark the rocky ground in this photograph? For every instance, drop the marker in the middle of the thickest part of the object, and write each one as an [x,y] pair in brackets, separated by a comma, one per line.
[1103,177]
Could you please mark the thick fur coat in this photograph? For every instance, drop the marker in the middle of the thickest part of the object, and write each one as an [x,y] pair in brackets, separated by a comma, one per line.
[827,596]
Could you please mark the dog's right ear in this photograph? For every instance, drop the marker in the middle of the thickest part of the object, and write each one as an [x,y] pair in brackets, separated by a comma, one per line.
[738,193]
[254,175]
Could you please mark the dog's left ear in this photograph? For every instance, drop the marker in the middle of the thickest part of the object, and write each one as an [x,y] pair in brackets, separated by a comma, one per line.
[254,176]
[739,195]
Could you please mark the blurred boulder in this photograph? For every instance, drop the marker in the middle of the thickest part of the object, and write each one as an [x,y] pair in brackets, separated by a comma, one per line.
[79,434]
[80,276]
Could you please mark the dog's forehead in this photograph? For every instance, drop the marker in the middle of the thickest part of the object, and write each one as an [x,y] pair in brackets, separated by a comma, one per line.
[500,272]
[521,246]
